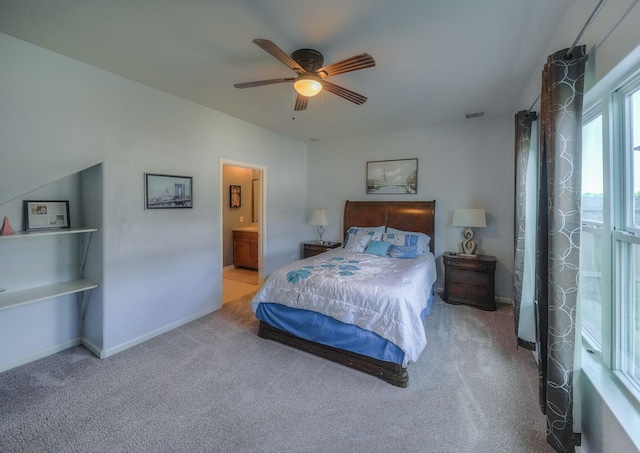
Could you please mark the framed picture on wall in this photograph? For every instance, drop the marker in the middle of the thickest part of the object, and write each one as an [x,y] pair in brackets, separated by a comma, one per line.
[46,215]
[167,191]
[398,176]
[235,196]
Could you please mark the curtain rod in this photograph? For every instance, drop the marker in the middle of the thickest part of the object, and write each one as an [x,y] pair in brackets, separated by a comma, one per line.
[586,25]
[575,43]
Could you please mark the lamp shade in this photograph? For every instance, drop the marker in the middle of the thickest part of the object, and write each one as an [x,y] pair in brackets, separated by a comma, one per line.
[307,85]
[474,218]
[319,217]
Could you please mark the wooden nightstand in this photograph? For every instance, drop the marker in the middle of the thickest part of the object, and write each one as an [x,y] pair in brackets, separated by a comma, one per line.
[313,248]
[470,281]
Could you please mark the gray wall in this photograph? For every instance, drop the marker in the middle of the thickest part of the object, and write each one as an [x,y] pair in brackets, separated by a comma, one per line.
[160,268]
[464,165]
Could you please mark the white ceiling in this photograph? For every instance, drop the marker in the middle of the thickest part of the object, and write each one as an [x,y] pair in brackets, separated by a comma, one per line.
[436,60]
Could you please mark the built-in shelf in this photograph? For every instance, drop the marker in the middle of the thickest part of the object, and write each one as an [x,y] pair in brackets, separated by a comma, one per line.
[23,234]
[26,296]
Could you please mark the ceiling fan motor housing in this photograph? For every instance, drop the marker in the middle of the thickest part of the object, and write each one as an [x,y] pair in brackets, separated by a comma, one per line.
[310,60]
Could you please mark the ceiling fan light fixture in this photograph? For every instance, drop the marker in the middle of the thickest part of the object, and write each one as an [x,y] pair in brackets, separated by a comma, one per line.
[307,85]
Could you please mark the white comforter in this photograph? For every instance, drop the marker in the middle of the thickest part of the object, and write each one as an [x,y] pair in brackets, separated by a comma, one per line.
[381,294]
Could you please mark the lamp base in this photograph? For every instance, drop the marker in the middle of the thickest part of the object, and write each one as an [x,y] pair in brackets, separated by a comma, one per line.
[467,255]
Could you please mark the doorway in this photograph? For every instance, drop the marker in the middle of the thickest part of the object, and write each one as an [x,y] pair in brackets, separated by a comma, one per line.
[241,227]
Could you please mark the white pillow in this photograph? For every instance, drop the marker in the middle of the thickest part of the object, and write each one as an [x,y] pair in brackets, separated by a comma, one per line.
[376,232]
[357,243]
[424,240]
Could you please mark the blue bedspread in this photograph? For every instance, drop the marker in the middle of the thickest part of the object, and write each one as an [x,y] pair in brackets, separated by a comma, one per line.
[381,295]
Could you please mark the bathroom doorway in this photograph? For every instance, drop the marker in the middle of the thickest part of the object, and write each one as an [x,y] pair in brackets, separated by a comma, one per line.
[241,213]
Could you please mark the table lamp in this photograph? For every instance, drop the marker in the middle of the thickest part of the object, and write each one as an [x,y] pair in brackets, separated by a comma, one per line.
[319,218]
[468,219]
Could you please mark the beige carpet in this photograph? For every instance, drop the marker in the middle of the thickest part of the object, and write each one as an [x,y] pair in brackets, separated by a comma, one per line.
[242,275]
[213,385]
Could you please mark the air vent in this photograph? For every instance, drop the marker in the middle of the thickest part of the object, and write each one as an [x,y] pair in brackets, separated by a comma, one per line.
[474,115]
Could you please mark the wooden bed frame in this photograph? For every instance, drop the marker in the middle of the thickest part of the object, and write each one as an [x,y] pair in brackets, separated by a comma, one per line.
[404,215]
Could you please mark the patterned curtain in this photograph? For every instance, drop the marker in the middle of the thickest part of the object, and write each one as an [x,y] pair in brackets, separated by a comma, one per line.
[524,120]
[558,239]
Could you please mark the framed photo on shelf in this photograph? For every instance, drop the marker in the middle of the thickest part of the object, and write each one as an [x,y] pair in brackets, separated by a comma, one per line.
[46,215]
[235,196]
[167,191]
[392,176]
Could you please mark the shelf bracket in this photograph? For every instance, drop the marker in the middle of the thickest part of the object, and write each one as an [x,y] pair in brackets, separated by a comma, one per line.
[83,299]
[85,251]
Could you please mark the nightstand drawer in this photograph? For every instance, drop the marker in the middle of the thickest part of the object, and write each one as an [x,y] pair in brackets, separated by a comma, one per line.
[471,264]
[473,294]
[470,278]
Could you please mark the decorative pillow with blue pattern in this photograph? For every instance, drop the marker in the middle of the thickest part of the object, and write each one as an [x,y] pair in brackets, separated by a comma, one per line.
[424,240]
[375,232]
[403,246]
[403,251]
[400,239]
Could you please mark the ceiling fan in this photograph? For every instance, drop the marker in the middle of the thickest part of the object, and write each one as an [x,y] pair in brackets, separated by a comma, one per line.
[307,63]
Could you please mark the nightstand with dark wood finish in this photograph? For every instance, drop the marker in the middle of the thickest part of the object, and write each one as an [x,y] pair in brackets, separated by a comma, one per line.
[313,248]
[470,281]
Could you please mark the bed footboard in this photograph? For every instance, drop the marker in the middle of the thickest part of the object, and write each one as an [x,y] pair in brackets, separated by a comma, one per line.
[387,371]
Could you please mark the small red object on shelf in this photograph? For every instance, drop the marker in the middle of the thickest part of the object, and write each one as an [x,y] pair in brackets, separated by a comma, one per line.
[6,229]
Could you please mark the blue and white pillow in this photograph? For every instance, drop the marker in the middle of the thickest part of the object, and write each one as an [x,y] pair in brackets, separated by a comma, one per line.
[400,239]
[424,240]
[403,251]
[375,232]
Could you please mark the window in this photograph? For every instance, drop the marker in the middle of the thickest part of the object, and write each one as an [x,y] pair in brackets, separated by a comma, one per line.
[591,240]
[610,241]
[627,240]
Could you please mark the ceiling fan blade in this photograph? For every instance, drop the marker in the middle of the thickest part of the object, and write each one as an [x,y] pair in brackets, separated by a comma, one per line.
[362,61]
[274,50]
[344,93]
[301,103]
[260,83]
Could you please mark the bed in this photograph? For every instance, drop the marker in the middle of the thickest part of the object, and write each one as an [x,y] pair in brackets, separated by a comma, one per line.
[362,310]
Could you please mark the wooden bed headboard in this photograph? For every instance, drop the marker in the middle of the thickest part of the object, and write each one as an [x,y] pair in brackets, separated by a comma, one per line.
[403,215]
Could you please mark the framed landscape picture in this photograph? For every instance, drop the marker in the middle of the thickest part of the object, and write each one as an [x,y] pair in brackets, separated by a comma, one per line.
[392,176]
[167,191]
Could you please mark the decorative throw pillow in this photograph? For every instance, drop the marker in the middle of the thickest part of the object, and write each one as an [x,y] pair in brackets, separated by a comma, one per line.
[379,248]
[403,251]
[376,232]
[400,239]
[424,240]
[357,243]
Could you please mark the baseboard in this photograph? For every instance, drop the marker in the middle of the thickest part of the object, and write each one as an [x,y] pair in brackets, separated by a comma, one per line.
[104,353]
[504,300]
[40,354]
[91,347]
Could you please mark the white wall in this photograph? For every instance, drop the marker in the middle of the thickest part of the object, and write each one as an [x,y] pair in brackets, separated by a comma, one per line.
[464,165]
[161,268]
